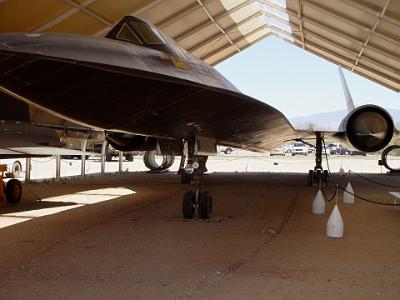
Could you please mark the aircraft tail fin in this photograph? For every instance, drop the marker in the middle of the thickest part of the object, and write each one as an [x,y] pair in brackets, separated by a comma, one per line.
[347,95]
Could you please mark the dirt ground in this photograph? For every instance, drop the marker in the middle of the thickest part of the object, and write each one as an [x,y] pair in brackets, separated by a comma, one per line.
[122,237]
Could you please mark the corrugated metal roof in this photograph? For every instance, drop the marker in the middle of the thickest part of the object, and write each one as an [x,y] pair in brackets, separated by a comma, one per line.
[360,35]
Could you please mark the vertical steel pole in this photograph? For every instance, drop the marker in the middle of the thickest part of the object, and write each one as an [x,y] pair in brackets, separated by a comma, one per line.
[83,157]
[103,156]
[28,170]
[121,157]
[58,167]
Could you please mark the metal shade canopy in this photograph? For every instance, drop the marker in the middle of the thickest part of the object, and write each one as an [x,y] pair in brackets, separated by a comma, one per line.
[361,35]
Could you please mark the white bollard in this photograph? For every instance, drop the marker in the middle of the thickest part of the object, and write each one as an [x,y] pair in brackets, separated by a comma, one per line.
[334,226]
[341,171]
[348,194]
[318,205]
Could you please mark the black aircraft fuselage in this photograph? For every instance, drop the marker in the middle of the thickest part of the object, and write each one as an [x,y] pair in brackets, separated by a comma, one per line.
[136,81]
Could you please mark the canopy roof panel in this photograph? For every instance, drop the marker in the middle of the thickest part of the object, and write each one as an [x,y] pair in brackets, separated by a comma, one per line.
[361,35]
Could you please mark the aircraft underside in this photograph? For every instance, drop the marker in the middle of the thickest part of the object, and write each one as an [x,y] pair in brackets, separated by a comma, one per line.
[149,104]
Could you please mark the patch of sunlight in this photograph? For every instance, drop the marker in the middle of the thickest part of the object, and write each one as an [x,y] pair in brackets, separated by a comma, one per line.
[63,203]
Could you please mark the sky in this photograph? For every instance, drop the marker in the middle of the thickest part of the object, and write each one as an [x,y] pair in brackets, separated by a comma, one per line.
[297,82]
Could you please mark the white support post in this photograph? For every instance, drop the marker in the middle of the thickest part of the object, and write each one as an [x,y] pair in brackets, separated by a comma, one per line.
[58,167]
[103,156]
[28,170]
[83,157]
[121,157]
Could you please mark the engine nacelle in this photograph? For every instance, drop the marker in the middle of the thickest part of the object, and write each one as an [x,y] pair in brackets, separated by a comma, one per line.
[133,142]
[368,128]
[150,161]
[130,142]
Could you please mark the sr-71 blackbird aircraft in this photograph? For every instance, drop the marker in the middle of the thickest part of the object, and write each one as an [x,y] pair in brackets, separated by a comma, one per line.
[147,93]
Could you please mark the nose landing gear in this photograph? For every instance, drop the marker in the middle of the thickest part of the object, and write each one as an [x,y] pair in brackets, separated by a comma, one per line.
[193,172]
[318,175]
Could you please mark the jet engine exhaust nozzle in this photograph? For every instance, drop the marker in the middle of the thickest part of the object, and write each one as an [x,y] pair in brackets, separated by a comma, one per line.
[369,128]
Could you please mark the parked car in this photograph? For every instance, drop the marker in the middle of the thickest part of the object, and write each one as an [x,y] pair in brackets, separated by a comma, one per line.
[325,151]
[299,148]
[334,148]
[288,148]
[278,151]
[282,150]
[357,152]
[338,149]
[344,151]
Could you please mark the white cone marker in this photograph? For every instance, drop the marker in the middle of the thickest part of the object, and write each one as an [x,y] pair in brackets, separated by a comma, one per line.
[348,194]
[334,226]
[318,205]
[341,171]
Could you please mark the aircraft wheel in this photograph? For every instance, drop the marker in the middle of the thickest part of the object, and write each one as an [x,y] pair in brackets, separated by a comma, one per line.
[13,191]
[318,176]
[188,205]
[325,177]
[108,157]
[310,177]
[205,205]
[129,157]
[185,177]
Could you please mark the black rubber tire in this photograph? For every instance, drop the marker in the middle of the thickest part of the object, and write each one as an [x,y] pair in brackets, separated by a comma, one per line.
[188,205]
[325,176]
[318,176]
[185,177]
[108,157]
[205,205]
[13,191]
[129,157]
[310,177]
[16,169]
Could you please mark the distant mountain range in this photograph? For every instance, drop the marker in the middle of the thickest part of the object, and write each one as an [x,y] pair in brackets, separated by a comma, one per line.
[331,120]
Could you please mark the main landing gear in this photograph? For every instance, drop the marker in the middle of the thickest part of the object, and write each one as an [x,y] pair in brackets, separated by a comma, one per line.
[198,199]
[318,175]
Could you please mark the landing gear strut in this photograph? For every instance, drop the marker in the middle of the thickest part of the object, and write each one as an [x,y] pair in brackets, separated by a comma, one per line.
[185,177]
[200,199]
[318,175]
